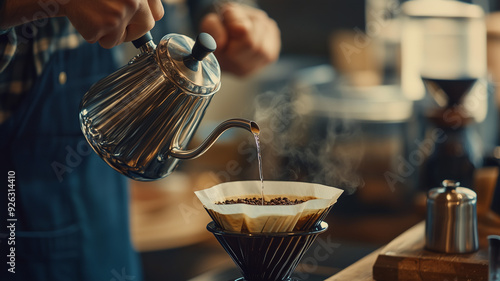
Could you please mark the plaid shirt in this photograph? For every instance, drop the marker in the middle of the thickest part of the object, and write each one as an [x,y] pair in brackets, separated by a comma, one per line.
[24,52]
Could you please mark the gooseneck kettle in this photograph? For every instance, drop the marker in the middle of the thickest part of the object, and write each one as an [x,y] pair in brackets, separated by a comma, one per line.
[141,118]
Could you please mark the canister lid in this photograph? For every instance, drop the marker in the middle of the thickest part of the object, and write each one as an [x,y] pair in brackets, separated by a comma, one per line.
[451,192]
[191,65]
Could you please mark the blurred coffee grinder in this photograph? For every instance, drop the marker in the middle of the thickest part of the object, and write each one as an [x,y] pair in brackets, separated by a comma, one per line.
[444,46]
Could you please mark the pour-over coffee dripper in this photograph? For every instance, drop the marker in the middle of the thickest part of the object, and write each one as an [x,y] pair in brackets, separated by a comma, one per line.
[266,256]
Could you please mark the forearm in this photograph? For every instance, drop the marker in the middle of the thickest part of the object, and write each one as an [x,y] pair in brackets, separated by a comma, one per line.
[16,12]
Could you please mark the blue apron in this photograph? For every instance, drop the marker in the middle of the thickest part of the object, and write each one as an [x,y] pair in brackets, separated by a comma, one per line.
[71,209]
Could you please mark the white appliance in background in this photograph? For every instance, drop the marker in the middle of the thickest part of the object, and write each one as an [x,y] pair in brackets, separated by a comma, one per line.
[445,39]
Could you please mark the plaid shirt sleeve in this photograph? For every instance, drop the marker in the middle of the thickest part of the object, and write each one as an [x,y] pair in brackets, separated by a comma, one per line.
[24,52]
[14,82]
[8,42]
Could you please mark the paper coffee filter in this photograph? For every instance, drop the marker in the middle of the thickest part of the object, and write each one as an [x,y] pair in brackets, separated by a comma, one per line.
[269,218]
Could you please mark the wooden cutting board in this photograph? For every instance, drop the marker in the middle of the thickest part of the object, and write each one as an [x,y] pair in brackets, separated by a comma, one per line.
[405,258]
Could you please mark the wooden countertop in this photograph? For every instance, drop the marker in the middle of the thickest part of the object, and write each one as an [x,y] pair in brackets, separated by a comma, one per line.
[405,258]
[359,271]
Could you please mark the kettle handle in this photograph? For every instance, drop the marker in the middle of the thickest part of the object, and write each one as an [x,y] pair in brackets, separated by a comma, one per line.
[142,40]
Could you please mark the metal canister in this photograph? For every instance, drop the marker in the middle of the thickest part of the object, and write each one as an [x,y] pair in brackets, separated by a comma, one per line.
[451,224]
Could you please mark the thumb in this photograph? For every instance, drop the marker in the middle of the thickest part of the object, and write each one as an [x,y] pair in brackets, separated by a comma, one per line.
[213,25]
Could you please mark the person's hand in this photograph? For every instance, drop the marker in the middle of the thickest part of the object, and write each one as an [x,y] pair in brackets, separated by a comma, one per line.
[112,22]
[247,39]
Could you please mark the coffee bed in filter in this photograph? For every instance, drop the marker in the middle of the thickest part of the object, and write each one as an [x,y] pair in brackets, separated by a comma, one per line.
[247,218]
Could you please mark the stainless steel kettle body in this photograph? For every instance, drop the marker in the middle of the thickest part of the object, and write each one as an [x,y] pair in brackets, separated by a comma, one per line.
[141,118]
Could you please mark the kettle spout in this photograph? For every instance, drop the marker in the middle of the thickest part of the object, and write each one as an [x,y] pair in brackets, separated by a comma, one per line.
[216,133]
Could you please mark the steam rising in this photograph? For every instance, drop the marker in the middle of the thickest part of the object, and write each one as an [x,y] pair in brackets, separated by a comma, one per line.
[303,147]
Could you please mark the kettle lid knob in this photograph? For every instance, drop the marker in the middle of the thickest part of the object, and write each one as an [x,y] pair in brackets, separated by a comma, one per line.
[450,184]
[451,192]
[190,63]
[203,46]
